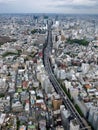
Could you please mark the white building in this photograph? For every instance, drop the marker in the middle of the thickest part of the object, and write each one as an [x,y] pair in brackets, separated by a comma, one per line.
[27,107]
[62,74]
[2,118]
[3,85]
[65,114]
[47,85]
[74,92]
[74,125]
[67,84]
[85,67]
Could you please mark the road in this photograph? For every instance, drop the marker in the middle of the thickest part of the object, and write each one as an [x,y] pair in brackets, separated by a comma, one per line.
[46,60]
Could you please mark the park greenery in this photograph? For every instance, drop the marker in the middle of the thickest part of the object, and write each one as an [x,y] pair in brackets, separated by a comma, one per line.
[12,53]
[9,53]
[83,42]
[41,31]
[1,95]
[79,110]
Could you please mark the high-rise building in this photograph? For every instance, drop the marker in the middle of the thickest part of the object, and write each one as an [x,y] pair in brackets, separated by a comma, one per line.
[93,117]
[65,118]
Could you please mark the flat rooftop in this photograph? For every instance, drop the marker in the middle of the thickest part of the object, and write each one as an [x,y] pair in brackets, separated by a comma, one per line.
[75,122]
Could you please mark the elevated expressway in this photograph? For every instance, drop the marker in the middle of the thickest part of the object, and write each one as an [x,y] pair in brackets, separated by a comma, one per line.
[68,104]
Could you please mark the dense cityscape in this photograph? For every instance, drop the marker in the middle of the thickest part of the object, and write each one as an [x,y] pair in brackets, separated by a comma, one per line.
[48,72]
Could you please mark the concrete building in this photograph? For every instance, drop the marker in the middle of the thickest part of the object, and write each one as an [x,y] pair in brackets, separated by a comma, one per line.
[64,116]
[42,125]
[82,106]
[93,117]
[62,74]
[47,85]
[74,125]
[17,107]
[74,92]
[59,128]
[85,67]
[2,118]
[3,86]
[67,84]
[56,103]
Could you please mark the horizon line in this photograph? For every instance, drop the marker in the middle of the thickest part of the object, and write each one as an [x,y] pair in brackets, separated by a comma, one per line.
[49,13]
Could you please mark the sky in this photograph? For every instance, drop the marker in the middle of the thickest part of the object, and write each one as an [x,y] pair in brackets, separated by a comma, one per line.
[49,6]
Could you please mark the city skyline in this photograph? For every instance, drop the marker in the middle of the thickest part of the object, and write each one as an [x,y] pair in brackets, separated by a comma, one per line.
[48,71]
[49,6]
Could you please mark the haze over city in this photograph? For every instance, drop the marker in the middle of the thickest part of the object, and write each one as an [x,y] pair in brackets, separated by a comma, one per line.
[49,6]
